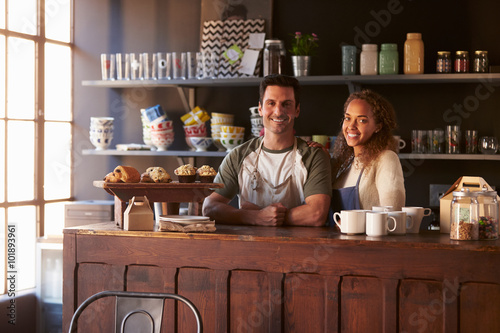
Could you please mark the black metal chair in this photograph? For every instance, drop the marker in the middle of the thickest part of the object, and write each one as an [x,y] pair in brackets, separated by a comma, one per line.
[142,307]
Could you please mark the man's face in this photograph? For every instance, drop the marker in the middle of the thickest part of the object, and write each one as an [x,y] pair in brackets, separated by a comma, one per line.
[278,109]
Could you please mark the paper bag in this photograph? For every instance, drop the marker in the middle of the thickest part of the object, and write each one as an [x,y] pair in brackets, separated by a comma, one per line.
[139,215]
[472,183]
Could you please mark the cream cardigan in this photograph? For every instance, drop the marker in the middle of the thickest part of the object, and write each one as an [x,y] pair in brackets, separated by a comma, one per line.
[382,184]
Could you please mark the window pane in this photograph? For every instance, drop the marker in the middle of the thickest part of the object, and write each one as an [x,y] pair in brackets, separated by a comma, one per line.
[22,16]
[2,161]
[57,20]
[2,76]
[3,257]
[2,14]
[20,160]
[23,218]
[21,78]
[54,218]
[57,160]
[57,82]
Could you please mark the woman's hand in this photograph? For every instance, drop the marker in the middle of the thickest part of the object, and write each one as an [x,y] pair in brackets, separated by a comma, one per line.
[318,145]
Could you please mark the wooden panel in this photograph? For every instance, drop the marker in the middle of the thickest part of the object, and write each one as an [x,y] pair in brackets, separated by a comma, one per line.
[480,307]
[93,278]
[143,278]
[69,290]
[310,303]
[253,302]
[421,306]
[362,304]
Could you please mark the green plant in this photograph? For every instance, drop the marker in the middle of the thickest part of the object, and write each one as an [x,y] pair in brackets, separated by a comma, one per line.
[304,44]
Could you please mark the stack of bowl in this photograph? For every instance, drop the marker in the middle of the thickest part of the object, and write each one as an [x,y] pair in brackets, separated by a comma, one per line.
[217,121]
[146,130]
[101,132]
[232,136]
[197,131]
[162,134]
[256,121]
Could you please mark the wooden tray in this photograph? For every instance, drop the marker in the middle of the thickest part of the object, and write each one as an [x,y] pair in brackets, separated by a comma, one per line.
[160,192]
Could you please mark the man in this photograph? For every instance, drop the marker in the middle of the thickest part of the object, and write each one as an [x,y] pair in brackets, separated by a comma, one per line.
[278,178]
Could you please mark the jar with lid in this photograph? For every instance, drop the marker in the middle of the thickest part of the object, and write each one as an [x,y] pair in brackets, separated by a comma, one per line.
[481,63]
[388,59]
[414,54]
[274,56]
[443,62]
[464,212]
[462,62]
[368,59]
[487,214]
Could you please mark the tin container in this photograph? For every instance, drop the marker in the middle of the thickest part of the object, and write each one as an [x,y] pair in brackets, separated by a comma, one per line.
[462,62]
[443,62]
[481,63]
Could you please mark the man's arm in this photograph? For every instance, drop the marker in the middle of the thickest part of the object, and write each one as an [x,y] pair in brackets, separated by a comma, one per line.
[312,214]
[217,208]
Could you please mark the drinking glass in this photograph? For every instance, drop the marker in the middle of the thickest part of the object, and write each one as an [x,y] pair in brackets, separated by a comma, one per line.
[488,145]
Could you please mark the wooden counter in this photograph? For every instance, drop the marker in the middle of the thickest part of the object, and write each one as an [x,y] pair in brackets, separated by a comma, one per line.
[290,279]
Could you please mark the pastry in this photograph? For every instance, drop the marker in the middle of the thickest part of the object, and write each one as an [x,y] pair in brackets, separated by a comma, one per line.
[186,173]
[159,175]
[125,174]
[206,174]
[145,178]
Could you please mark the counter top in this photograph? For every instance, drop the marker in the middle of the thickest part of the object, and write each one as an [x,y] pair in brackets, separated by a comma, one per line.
[297,235]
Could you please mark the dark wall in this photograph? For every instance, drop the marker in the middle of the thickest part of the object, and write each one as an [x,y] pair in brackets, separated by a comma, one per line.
[169,25]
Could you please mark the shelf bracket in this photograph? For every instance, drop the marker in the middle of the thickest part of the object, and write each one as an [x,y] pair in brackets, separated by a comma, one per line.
[354,86]
[182,161]
[187,97]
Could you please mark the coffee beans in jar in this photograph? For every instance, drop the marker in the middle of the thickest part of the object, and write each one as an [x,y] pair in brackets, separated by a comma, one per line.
[462,62]
[443,62]
[481,64]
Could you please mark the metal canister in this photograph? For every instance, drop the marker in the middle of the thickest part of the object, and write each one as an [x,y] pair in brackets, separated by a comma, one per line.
[462,62]
[274,56]
[443,62]
[481,63]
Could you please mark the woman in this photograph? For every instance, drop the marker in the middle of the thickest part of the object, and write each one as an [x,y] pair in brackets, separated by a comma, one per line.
[366,170]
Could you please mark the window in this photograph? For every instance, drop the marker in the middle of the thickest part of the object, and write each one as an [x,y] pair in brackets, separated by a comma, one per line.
[35,129]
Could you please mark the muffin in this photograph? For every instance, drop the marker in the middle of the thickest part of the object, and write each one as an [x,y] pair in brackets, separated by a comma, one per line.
[206,174]
[155,175]
[186,173]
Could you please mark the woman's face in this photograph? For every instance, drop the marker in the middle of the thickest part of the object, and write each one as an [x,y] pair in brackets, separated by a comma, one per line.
[359,124]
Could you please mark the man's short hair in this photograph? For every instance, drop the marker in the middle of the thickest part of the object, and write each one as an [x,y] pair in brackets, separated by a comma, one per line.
[281,81]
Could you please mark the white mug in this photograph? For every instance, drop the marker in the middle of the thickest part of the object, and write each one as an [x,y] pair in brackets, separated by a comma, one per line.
[351,221]
[383,208]
[417,214]
[377,223]
[400,143]
[403,222]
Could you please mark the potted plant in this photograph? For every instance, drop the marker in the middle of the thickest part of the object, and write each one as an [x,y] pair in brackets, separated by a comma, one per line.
[303,47]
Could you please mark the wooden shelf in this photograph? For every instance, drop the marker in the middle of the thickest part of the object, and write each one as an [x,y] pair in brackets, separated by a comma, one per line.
[467,157]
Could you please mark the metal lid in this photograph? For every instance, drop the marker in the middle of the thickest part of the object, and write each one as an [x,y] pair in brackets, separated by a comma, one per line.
[462,53]
[444,53]
[486,193]
[480,52]
[274,42]
[464,192]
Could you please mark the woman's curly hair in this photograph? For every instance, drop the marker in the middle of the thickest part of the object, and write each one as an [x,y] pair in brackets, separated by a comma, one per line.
[383,113]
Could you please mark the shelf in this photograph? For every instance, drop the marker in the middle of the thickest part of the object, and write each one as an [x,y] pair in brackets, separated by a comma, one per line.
[466,157]
[185,153]
[305,80]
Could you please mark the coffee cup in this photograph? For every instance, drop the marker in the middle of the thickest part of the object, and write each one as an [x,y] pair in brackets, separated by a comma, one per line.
[351,221]
[400,143]
[403,222]
[377,223]
[417,214]
[382,208]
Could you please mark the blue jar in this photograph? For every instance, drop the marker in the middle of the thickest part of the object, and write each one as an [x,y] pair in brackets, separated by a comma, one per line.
[388,59]
[349,54]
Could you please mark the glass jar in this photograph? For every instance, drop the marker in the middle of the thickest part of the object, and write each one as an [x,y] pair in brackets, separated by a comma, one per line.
[443,62]
[388,59]
[487,214]
[368,59]
[414,54]
[462,62]
[464,212]
[274,56]
[481,63]
[349,54]
[452,138]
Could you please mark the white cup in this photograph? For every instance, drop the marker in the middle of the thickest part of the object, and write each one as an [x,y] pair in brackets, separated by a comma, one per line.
[377,223]
[108,64]
[123,66]
[400,143]
[382,208]
[179,65]
[351,221]
[417,214]
[403,222]
[164,65]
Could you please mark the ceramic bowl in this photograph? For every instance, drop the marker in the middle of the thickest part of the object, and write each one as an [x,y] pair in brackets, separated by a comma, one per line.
[230,144]
[201,143]
[195,130]
[222,118]
[217,143]
[234,136]
[101,142]
[101,121]
[164,125]
[232,129]
[162,139]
